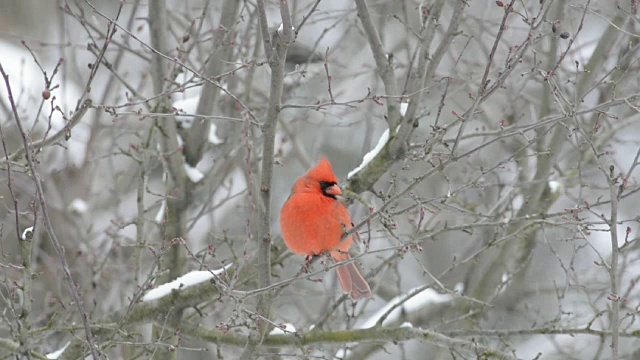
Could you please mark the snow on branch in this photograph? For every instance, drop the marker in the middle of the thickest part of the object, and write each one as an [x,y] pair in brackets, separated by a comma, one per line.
[56,354]
[555,186]
[415,303]
[27,234]
[284,329]
[160,215]
[184,281]
[193,173]
[368,157]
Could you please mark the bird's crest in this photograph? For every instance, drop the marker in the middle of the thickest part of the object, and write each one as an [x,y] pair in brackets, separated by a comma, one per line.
[323,172]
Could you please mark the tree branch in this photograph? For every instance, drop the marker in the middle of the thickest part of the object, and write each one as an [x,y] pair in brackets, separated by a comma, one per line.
[73,287]
[276,63]
[195,138]
[384,66]
[375,334]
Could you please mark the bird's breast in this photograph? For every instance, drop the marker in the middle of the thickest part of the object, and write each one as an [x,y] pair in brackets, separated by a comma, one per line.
[313,224]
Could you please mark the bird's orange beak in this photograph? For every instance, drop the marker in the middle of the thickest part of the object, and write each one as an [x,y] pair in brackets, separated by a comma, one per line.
[333,190]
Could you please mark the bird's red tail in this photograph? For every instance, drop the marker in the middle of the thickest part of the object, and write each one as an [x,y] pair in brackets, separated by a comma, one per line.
[351,279]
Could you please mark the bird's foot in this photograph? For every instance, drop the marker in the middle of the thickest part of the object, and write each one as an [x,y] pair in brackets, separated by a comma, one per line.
[307,267]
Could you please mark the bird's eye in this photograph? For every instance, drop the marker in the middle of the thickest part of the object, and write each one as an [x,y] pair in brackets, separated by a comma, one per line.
[327,184]
[330,189]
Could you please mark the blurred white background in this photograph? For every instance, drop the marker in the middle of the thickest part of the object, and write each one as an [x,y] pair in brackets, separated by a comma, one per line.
[496,189]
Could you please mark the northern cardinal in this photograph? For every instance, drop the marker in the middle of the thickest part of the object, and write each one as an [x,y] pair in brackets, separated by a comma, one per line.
[313,222]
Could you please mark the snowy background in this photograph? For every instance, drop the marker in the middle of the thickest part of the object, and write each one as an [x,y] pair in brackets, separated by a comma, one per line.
[489,146]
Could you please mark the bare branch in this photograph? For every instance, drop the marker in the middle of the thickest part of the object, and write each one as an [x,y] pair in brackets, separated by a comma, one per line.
[276,63]
[73,287]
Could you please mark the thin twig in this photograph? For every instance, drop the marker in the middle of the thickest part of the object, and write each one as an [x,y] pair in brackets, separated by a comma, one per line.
[483,83]
[276,63]
[326,69]
[73,287]
[383,64]
[62,133]
[613,267]
[111,30]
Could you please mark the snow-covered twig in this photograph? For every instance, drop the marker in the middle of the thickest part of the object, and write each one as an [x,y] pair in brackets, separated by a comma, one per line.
[183,282]
[414,303]
[56,354]
[368,157]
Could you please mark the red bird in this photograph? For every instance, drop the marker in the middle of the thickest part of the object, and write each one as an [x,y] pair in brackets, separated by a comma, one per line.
[313,222]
